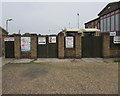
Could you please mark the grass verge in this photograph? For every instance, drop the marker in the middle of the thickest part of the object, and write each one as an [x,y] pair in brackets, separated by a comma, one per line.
[117,60]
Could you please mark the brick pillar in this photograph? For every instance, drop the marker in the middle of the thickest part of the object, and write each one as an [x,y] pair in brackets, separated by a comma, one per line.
[3,46]
[61,45]
[78,47]
[33,46]
[106,45]
[17,44]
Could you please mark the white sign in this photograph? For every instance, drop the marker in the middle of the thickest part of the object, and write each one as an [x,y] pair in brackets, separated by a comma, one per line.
[112,33]
[116,39]
[25,44]
[41,40]
[52,39]
[9,39]
[69,42]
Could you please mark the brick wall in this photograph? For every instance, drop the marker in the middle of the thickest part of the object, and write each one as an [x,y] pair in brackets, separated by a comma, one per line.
[17,45]
[62,51]
[70,53]
[3,34]
[107,51]
[78,41]
[106,47]
[26,55]
[30,54]
[60,45]
[33,46]
[115,52]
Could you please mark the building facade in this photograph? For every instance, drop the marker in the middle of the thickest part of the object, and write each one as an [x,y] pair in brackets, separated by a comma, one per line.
[110,18]
[95,23]
[3,33]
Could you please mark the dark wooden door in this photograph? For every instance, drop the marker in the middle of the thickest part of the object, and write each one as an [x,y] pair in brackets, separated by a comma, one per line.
[9,49]
[47,50]
[91,46]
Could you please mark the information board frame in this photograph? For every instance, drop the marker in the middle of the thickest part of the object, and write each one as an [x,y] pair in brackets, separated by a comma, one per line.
[69,42]
[25,44]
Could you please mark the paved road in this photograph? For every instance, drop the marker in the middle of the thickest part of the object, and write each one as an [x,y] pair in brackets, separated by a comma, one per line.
[73,77]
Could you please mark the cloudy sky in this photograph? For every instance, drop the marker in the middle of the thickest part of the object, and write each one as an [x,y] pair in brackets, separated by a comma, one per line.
[48,17]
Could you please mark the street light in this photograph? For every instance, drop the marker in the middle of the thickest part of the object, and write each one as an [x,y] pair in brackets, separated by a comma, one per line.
[78,19]
[7,23]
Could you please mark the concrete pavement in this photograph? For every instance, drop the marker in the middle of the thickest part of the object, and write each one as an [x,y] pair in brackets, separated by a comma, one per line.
[4,61]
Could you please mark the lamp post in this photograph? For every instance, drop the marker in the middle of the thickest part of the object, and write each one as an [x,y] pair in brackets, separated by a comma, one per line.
[78,19]
[7,23]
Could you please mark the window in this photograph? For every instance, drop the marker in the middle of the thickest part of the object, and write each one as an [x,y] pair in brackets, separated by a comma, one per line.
[101,24]
[105,25]
[117,21]
[108,24]
[112,23]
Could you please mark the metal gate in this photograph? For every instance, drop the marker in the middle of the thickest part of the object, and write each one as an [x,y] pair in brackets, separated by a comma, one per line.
[47,47]
[91,46]
[9,49]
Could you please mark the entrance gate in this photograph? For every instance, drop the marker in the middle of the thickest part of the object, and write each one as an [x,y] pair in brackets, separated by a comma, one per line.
[47,47]
[9,49]
[91,46]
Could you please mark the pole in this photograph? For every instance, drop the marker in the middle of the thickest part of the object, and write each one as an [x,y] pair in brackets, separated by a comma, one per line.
[69,25]
[19,31]
[7,25]
[78,19]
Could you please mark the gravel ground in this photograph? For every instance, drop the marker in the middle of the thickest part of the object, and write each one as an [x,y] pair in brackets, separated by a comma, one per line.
[60,78]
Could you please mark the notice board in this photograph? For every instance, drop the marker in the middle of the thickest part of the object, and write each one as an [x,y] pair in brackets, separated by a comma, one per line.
[25,43]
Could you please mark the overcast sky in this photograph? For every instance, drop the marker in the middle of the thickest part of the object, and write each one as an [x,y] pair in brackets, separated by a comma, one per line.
[48,18]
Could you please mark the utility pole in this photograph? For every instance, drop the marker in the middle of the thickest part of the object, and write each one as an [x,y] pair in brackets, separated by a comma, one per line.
[69,25]
[19,31]
[78,19]
[7,23]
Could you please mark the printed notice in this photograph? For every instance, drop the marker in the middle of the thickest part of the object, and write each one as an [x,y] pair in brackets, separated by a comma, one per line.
[69,42]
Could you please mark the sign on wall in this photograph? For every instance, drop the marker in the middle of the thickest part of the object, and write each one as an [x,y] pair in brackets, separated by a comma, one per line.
[9,39]
[52,39]
[69,42]
[112,33]
[41,40]
[116,40]
[25,44]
